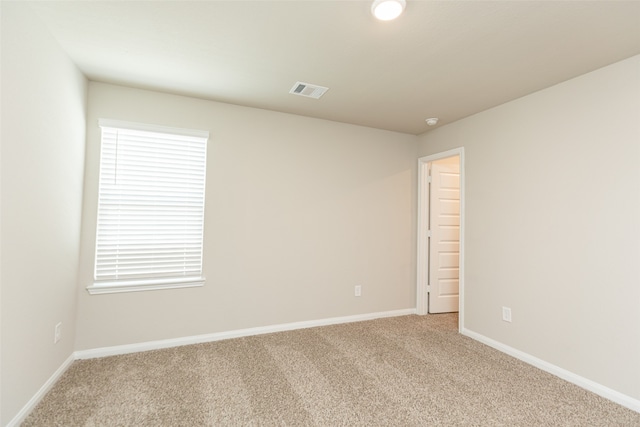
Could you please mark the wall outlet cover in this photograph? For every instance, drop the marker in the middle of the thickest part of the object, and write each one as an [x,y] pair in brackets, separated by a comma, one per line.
[57,333]
[506,314]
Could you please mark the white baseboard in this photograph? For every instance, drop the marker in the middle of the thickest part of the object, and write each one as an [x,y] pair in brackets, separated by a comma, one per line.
[155,345]
[599,389]
[26,409]
[217,336]
[587,384]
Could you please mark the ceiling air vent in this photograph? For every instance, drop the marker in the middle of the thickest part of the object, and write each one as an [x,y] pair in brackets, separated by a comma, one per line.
[308,90]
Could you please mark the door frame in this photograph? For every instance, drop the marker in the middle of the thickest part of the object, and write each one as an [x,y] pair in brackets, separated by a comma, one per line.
[422,261]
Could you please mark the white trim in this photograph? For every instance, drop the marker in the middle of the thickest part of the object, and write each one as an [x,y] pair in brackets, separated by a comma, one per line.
[98,288]
[155,345]
[31,404]
[422,306]
[582,382]
[152,128]
[422,262]
[218,336]
[587,384]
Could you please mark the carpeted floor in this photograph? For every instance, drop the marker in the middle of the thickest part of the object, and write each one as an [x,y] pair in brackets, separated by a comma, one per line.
[402,371]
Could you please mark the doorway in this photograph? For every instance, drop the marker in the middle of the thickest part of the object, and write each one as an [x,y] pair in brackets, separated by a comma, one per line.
[440,263]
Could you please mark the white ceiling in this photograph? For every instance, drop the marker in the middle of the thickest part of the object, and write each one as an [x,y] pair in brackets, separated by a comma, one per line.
[446,59]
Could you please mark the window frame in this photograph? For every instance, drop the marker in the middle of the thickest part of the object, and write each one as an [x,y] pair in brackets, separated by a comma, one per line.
[117,285]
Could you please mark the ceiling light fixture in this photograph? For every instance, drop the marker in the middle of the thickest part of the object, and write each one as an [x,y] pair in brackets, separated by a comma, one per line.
[386,10]
[432,121]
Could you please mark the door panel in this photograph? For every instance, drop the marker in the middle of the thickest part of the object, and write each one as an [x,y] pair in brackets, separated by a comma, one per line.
[444,244]
[449,287]
[448,263]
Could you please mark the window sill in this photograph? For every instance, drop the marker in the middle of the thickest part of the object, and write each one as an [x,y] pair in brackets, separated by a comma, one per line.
[98,288]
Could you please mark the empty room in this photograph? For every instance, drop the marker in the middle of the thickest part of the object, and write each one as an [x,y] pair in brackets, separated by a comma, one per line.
[320,213]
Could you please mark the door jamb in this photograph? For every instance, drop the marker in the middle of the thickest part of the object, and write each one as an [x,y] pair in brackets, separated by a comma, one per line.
[423,228]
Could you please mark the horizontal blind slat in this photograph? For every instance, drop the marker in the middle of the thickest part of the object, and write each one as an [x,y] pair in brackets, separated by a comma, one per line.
[150,205]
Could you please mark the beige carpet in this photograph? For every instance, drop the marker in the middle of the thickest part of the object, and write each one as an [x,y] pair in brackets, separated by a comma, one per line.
[403,371]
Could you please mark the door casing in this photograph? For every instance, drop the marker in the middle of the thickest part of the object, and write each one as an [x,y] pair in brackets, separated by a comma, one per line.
[423,229]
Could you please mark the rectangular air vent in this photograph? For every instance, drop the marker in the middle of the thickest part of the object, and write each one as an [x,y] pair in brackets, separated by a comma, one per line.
[308,90]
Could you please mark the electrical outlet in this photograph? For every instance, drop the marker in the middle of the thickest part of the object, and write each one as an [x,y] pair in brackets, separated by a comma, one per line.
[358,290]
[506,314]
[57,333]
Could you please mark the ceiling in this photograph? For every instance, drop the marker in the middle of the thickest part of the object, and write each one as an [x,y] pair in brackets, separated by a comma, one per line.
[446,59]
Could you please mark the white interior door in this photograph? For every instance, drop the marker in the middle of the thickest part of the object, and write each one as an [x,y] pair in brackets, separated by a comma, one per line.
[444,243]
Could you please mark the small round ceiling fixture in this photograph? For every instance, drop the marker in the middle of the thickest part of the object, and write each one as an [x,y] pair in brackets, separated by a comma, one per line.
[432,121]
[386,10]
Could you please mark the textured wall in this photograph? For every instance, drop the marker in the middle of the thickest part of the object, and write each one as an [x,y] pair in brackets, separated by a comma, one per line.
[553,223]
[43,140]
[298,212]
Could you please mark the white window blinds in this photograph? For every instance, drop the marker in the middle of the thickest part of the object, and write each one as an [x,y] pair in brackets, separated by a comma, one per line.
[150,208]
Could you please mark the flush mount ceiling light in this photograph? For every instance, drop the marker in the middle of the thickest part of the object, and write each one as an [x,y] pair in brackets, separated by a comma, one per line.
[386,10]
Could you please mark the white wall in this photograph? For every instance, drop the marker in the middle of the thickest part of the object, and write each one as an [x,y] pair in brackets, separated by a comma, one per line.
[43,135]
[298,212]
[553,223]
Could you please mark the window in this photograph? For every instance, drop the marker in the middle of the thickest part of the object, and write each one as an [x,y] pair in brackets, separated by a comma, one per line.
[150,208]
